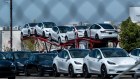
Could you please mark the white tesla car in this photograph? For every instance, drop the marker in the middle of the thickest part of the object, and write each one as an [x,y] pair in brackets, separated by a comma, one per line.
[135,53]
[62,33]
[44,28]
[101,31]
[28,29]
[107,62]
[69,62]
[80,30]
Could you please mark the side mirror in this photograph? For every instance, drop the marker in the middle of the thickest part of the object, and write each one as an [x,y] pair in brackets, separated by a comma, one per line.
[99,57]
[67,57]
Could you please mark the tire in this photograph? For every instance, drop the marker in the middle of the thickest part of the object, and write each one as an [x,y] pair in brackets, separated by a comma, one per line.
[97,37]
[59,40]
[55,72]
[85,72]
[11,77]
[29,33]
[85,34]
[43,35]
[50,37]
[71,72]
[36,33]
[66,39]
[104,72]
[26,72]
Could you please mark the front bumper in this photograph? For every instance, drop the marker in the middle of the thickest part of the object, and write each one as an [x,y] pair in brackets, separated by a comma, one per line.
[47,69]
[7,72]
[78,69]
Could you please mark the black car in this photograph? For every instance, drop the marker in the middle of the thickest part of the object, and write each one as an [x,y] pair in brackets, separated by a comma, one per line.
[40,64]
[19,58]
[7,68]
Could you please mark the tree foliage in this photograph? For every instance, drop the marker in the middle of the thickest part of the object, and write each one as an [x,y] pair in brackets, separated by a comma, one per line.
[129,35]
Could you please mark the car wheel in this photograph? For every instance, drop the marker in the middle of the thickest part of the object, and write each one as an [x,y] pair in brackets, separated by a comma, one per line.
[50,37]
[85,34]
[36,33]
[66,39]
[55,72]
[43,34]
[71,71]
[96,36]
[27,72]
[104,72]
[29,33]
[85,72]
[59,40]
[11,77]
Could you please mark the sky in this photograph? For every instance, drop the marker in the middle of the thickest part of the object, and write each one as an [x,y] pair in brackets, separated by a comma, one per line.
[65,11]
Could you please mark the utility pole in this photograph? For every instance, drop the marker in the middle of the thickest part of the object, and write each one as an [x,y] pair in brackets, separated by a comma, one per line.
[11,24]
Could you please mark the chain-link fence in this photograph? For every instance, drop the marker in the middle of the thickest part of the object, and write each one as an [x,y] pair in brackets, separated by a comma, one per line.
[65,11]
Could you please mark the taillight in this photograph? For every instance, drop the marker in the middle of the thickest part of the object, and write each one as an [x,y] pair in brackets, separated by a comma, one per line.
[103,31]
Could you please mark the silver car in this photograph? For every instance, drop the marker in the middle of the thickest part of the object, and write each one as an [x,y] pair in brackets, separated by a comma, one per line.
[101,31]
[135,53]
[107,62]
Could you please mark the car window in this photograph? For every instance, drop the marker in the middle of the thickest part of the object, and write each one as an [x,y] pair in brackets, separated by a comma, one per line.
[92,27]
[65,54]
[96,27]
[40,25]
[55,29]
[2,57]
[107,26]
[95,54]
[135,52]
[60,54]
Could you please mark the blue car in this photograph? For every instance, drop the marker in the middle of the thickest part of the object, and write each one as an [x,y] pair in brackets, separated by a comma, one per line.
[40,63]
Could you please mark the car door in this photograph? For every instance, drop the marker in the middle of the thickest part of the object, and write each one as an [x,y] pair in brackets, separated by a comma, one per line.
[59,62]
[70,33]
[25,30]
[65,59]
[94,61]
[95,30]
[54,33]
[39,28]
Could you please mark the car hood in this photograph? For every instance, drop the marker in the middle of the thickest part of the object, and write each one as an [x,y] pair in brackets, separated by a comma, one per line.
[48,29]
[46,62]
[78,60]
[23,60]
[122,60]
[5,63]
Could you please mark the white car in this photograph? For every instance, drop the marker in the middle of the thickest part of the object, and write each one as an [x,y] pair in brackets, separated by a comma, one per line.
[44,28]
[135,53]
[62,33]
[107,62]
[28,29]
[101,31]
[69,62]
[80,30]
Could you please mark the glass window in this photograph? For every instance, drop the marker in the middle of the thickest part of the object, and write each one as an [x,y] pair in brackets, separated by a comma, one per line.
[136,52]
[55,29]
[97,27]
[60,54]
[78,53]
[95,54]
[107,26]
[40,25]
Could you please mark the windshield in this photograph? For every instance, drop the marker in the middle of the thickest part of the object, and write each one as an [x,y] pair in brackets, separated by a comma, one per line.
[108,53]
[49,24]
[32,24]
[43,57]
[81,27]
[2,57]
[107,26]
[78,53]
[21,55]
[64,29]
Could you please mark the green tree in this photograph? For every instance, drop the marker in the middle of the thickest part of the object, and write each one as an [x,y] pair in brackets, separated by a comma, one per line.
[130,35]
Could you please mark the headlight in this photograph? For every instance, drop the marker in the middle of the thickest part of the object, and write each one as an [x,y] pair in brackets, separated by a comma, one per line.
[112,63]
[77,62]
[20,64]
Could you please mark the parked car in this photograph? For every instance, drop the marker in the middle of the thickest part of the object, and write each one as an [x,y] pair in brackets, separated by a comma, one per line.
[69,61]
[18,58]
[7,68]
[101,31]
[44,28]
[62,33]
[80,30]
[107,62]
[135,53]
[40,64]
[28,29]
